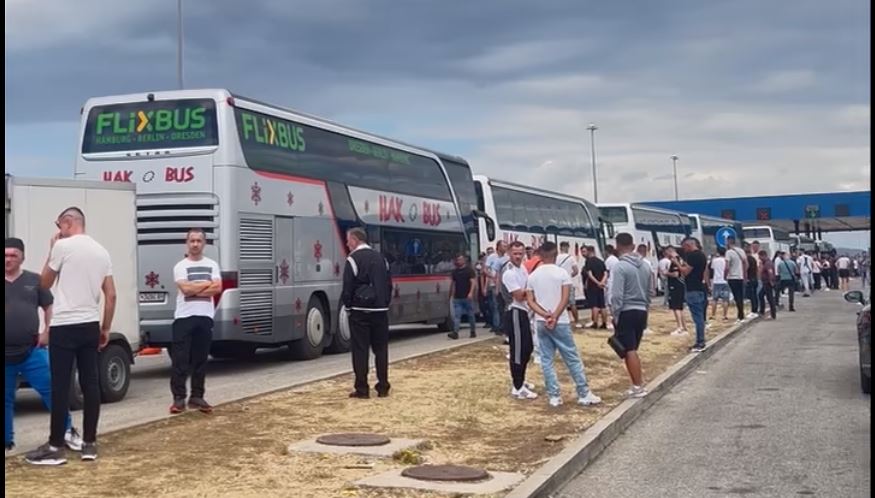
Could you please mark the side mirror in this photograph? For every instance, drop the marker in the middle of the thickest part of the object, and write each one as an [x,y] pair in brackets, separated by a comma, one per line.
[855,296]
[490,229]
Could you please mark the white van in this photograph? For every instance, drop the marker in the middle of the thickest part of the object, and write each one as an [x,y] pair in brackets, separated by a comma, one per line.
[33,205]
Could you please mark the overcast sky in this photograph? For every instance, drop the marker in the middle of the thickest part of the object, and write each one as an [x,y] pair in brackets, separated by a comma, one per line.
[755,96]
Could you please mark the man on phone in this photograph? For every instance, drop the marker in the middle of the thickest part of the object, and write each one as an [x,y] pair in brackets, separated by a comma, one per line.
[80,269]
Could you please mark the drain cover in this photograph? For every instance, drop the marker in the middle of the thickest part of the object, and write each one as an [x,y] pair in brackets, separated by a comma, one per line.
[353,439]
[445,473]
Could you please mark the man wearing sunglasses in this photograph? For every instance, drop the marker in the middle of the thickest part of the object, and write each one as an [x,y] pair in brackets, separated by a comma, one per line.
[79,269]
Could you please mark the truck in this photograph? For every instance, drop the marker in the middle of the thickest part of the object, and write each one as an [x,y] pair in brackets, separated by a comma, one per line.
[33,204]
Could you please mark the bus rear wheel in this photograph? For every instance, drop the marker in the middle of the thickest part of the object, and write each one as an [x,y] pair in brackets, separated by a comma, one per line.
[313,342]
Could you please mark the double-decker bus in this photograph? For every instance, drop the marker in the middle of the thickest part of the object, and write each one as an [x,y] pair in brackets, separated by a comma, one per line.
[770,239]
[654,227]
[533,216]
[275,191]
[705,228]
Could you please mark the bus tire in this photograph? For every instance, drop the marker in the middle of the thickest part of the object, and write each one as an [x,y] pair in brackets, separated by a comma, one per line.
[115,373]
[341,341]
[315,334]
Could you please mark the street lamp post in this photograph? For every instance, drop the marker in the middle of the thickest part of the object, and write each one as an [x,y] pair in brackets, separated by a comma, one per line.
[595,182]
[674,164]
[179,43]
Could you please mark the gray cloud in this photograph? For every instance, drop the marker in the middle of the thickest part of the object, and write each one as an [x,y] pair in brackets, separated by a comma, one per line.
[739,90]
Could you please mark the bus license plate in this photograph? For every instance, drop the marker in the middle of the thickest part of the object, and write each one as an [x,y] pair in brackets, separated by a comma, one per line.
[153,297]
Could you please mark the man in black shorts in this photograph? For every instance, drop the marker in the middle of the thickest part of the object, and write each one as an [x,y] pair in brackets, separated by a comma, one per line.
[630,300]
[595,278]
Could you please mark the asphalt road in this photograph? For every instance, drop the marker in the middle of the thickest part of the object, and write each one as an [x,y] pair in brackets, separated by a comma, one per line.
[149,396]
[777,412]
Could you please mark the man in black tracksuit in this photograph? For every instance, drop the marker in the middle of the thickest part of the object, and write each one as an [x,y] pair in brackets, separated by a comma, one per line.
[367,291]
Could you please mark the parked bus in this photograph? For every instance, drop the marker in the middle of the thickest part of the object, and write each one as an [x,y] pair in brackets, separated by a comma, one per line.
[705,229]
[275,191]
[770,239]
[534,216]
[654,227]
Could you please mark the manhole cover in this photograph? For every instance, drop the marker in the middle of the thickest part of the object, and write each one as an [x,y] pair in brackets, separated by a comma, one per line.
[353,439]
[445,473]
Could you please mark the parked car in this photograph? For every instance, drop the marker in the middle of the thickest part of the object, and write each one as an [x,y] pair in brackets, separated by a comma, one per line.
[864,335]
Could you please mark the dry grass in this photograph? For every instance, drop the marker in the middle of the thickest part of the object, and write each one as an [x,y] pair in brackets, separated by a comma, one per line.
[456,400]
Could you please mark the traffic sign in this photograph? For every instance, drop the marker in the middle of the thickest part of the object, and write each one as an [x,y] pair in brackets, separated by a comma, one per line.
[723,235]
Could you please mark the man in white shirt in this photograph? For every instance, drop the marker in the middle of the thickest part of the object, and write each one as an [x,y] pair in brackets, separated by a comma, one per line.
[567,262]
[198,279]
[610,262]
[79,269]
[843,265]
[736,262]
[516,321]
[494,262]
[719,285]
[806,272]
[662,268]
[548,288]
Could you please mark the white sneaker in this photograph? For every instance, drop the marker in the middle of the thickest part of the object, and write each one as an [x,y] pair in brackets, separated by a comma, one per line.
[589,325]
[647,331]
[739,322]
[751,316]
[610,326]
[555,402]
[708,325]
[537,360]
[523,393]
[589,399]
[636,392]
[507,356]
[578,326]
[529,386]
[679,332]
[72,439]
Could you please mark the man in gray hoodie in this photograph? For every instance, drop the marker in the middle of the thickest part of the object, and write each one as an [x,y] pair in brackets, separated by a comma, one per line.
[630,300]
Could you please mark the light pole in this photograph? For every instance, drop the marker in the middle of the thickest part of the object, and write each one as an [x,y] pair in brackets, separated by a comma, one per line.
[674,165]
[595,182]
[179,43]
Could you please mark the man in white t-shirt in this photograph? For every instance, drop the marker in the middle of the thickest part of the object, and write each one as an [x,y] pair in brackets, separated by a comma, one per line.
[843,265]
[548,288]
[736,262]
[198,279]
[79,269]
[662,268]
[610,262]
[516,322]
[567,262]
[806,272]
[719,285]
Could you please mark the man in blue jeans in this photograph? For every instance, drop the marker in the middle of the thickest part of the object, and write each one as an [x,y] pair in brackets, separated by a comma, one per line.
[26,354]
[693,269]
[462,295]
[548,289]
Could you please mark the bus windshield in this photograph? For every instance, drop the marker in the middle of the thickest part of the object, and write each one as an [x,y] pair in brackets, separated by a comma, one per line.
[617,215]
[162,124]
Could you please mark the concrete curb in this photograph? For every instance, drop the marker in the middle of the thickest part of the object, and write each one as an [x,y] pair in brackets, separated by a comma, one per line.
[560,469]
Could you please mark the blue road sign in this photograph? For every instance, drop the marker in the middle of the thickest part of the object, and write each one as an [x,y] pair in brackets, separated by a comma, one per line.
[723,234]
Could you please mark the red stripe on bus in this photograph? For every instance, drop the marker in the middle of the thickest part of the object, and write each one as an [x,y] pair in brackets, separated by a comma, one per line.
[420,278]
[310,181]
[290,178]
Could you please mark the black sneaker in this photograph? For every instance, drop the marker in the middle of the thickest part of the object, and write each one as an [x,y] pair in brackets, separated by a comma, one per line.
[178,406]
[200,405]
[46,455]
[89,452]
[10,447]
[453,335]
[473,334]
[698,348]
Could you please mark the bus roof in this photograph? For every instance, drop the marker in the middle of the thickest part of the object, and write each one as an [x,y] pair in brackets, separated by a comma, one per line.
[644,207]
[531,190]
[222,95]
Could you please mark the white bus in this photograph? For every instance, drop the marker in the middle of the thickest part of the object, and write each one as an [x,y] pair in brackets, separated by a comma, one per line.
[653,227]
[770,239]
[705,228]
[275,190]
[534,216]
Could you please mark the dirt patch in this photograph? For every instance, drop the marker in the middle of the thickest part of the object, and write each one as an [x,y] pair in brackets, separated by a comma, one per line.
[458,401]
